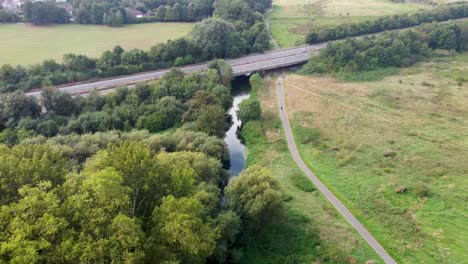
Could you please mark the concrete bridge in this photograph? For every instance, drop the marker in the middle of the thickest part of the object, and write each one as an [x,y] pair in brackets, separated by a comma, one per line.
[269,60]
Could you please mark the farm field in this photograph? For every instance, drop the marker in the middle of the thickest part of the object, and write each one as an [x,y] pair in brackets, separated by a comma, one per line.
[26,44]
[395,151]
[291,20]
[312,231]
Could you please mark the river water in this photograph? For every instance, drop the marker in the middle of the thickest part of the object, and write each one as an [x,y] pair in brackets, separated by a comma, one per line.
[237,150]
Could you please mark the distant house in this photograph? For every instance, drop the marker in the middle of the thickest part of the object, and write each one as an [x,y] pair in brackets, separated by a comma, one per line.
[133,13]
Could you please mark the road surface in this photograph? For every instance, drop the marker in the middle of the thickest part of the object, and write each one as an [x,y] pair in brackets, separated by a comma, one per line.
[323,189]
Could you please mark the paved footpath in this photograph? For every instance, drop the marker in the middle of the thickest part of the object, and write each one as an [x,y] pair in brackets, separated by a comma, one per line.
[323,189]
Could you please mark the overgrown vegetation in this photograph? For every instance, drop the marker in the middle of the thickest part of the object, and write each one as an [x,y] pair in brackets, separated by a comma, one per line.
[393,151]
[394,49]
[311,230]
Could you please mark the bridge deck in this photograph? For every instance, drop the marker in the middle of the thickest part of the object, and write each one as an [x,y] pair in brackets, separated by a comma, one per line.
[252,63]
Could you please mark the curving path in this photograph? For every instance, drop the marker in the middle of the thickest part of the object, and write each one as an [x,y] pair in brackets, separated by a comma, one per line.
[323,189]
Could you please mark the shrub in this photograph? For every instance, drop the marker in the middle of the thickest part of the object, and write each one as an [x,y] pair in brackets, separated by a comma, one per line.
[421,189]
[302,183]
[309,135]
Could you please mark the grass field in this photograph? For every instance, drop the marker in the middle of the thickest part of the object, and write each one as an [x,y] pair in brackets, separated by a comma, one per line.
[395,151]
[26,44]
[312,231]
[291,20]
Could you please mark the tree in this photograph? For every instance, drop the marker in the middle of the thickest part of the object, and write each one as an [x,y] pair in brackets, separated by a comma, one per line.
[97,13]
[28,165]
[171,108]
[7,17]
[154,122]
[44,13]
[224,71]
[249,110]
[229,225]
[58,102]
[114,18]
[126,240]
[98,206]
[28,10]
[33,228]
[218,38]
[180,234]
[133,161]
[18,105]
[199,101]
[211,120]
[255,195]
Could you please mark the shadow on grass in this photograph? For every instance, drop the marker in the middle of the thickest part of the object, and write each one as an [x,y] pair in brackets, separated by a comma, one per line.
[295,240]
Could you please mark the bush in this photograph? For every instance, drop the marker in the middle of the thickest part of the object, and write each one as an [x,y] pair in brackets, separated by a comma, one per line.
[308,135]
[249,110]
[302,183]
[421,189]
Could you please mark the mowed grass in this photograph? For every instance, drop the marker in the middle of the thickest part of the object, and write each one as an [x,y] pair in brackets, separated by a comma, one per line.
[395,151]
[312,230]
[291,20]
[27,44]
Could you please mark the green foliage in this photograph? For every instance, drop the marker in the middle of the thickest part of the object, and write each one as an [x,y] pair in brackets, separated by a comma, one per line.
[256,82]
[224,71]
[155,107]
[389,50]
[211,120]
[255,195]
[40,13]
[249,110]
[367,76]
[308,135]
[302,183]
[421,189]
[7,17]
[128,203]
[16,106]
[28,165]
[58,102]
[32,227]
[228,223]
[180,234]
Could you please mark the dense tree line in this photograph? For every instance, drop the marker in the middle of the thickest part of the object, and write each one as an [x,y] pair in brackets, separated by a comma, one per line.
[176,10]
[392,49]
[192,10]
[111,13]
[235,30]
[198,101]
[7,17]
[442,13]
[47,12]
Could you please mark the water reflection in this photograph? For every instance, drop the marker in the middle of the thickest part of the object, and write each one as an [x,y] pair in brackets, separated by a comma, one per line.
[237,150]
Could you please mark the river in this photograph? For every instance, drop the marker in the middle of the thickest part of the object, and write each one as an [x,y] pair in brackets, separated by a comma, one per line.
[237,150]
